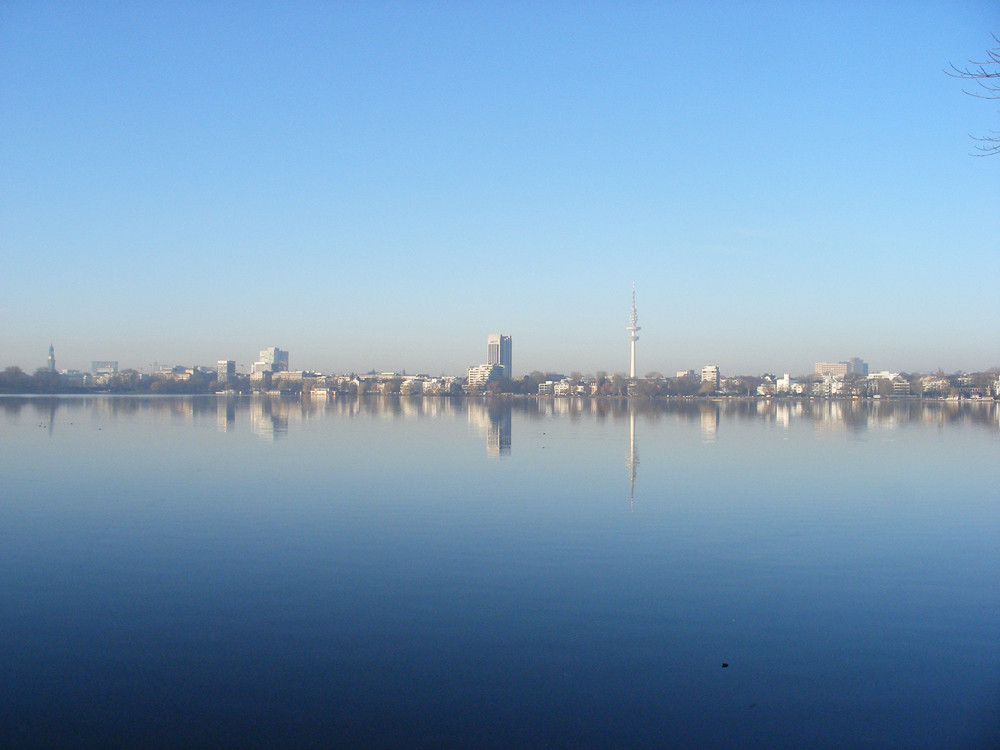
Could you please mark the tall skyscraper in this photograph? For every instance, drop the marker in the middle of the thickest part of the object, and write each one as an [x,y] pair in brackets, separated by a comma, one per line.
[272,359]
[52,358]
[498,352]
[633,332]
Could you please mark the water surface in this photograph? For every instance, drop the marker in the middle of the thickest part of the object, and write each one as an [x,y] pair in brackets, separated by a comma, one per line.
[390,572]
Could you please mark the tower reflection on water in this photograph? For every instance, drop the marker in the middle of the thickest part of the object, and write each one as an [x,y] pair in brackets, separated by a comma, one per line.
[633,459]
[494,419]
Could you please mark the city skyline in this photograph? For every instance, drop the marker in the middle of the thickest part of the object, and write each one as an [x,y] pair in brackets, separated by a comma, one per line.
[273,359]
[376,187]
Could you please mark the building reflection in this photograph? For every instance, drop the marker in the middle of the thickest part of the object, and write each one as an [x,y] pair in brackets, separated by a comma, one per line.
[709,422]
[272,417]
[225,414]
[493,418]
[498,437]
[633,460]
[269,417]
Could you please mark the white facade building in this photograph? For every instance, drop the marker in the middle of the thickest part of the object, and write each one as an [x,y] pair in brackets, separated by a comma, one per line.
[271,359]
[480,375]
[498,352]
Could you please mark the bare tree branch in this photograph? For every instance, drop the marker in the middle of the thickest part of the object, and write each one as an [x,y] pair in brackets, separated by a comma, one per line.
[986,75]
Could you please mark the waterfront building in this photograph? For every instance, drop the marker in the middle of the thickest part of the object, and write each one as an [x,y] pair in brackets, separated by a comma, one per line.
[710,374]
[498,352]
[480,375]
[226,370]
[411,387]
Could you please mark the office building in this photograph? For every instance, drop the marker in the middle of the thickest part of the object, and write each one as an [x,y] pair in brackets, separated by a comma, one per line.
[480,375]
[836,369]
[498,353]
[710,374]
[856,366]
[842,369]
[271,359]
[226,370]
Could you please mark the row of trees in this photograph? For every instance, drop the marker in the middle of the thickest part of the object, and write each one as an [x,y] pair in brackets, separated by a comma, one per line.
[15,380]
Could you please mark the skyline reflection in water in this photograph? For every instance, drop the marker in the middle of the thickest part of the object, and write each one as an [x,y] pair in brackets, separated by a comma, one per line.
[274,414]
[419,572]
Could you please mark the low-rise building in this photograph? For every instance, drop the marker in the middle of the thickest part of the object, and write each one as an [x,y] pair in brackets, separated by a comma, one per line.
[104,366]
[481,375]
[411,387]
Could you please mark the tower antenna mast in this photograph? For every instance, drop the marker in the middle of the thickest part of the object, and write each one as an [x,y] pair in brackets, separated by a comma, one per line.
[633,331]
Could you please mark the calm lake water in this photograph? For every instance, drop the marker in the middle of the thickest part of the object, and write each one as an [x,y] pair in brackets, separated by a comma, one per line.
[255,572]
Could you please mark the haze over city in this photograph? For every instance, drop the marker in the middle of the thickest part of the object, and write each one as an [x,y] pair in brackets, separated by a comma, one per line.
[380,186]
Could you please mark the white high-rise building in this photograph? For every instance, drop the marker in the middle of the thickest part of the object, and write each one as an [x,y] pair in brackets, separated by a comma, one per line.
[710,374]
[271,359]
[498,352]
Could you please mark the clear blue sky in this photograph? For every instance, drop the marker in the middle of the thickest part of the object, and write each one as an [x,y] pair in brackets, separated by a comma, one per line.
[382,185]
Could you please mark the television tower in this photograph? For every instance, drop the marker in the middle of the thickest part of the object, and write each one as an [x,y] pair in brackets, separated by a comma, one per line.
[633,334]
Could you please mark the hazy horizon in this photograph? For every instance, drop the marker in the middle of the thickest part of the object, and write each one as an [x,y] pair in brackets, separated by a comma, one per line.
[382,186]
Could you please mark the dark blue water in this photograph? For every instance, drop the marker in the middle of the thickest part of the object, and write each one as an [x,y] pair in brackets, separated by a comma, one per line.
[179,572]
